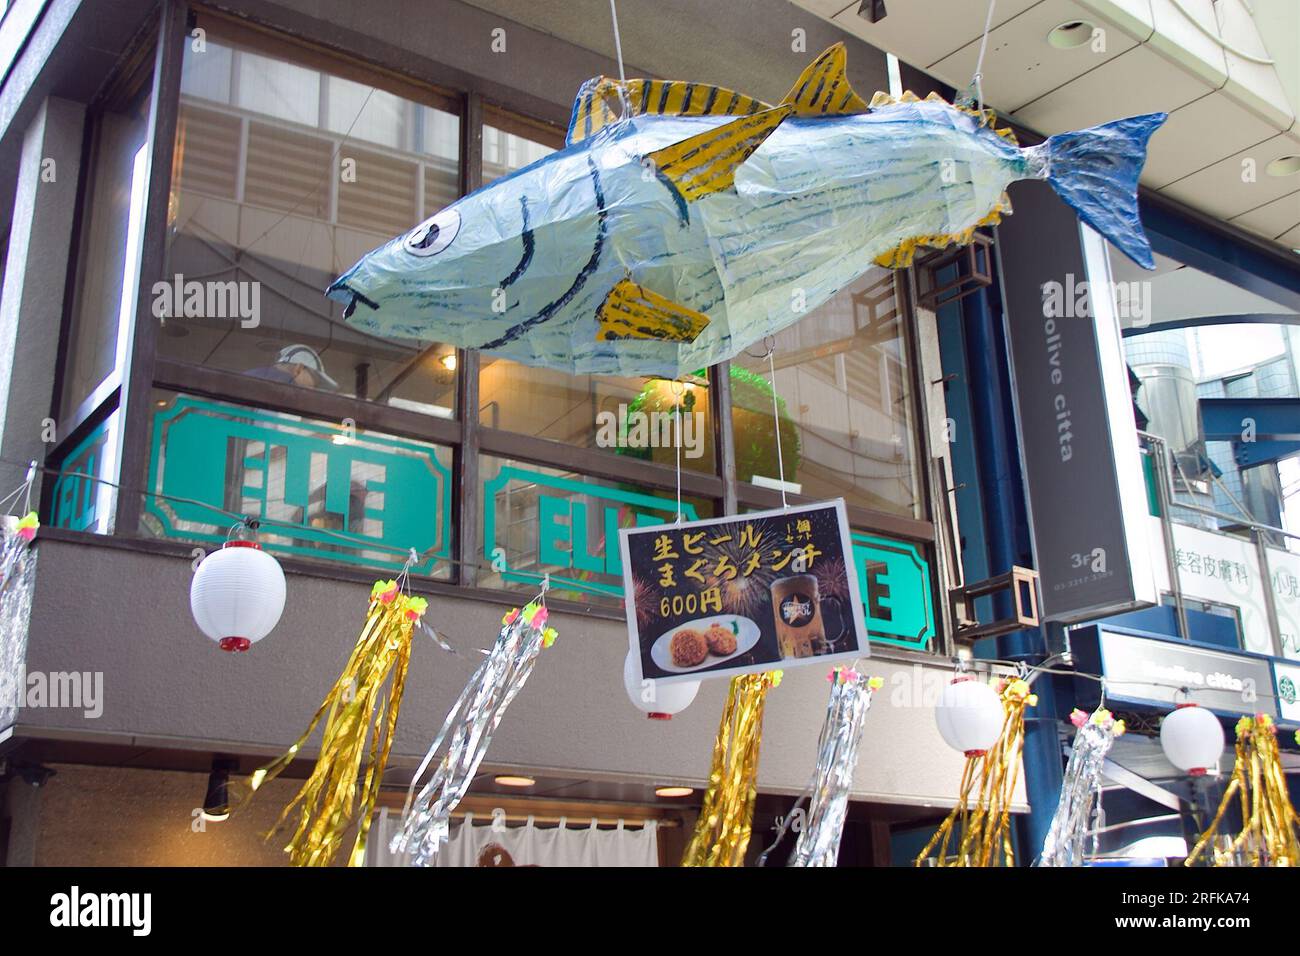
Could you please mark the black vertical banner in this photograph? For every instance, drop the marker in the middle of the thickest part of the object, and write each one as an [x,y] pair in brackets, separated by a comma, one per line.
[1067,430]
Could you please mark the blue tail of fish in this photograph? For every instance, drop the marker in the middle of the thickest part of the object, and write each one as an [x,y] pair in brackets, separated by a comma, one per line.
[1096,171]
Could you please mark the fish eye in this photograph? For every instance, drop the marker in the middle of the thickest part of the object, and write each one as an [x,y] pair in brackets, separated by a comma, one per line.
[434,234]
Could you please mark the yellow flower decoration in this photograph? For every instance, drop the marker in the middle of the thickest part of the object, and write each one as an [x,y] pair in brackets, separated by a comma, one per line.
[1119,728]
[548,636]
[875,683]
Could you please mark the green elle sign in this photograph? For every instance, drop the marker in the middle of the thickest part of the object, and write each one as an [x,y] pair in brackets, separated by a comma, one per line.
[209,458]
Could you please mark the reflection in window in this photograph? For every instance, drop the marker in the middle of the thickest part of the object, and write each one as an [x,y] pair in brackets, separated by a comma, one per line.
[514,147]
[285,175]
[843,380]
[625,415]
[321,491]
[539,520]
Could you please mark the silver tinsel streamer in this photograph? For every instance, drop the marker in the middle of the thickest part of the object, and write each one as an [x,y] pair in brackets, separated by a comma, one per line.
[837,755]
[1076,812]
[470,723]
[17,582]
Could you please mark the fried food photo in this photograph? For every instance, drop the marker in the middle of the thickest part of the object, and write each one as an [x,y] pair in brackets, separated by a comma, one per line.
[688,648]
[720,639]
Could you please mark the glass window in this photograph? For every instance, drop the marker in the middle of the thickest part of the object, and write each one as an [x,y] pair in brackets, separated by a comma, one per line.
[845,397]
[109,268]
[321,491]
[625,415]
[539,520]
[511,143]
[285,175]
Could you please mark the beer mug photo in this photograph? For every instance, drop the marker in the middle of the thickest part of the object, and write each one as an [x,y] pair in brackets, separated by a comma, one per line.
[797,610]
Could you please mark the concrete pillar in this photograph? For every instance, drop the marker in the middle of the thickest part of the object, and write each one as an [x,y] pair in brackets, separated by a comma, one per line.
[35,274]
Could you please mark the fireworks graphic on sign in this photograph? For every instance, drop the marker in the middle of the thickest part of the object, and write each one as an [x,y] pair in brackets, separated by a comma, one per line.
[742,594]
[832,578]
[644,596]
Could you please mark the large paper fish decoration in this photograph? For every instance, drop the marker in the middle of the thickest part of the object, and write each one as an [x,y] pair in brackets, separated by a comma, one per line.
[682,222]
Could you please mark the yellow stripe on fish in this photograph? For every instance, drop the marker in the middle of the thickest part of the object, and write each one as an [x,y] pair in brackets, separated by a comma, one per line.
[823,88]
[632,311]
[707,163]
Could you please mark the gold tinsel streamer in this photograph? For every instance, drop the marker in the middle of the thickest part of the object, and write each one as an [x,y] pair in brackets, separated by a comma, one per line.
[336,795]
[1269,823]
[722,830]
[990,780]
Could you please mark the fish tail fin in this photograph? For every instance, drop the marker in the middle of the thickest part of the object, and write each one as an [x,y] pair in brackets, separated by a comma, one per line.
[1096,172]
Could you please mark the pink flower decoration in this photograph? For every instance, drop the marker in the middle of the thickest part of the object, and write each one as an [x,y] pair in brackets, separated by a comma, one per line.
[511,617]
[387,596]
[539,619]
[1078,717]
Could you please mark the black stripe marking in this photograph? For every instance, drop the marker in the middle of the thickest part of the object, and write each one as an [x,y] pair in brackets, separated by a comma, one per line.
[529,244]
[597,248]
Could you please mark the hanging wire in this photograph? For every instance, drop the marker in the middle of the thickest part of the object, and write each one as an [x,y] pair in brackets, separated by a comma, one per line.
[962,665]
[24,490]
[770,342]
[978,78]
[677,437]
[355,541]
[618,43]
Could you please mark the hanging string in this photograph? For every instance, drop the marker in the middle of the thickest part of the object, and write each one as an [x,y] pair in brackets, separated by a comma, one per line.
[543,579]
[677,437]
[978,78]
[24,491]
[618,43]
[776,418]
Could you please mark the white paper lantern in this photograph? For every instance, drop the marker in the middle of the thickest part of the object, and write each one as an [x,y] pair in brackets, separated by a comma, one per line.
[1192,739]
[237,595]
[969,716]
[657,699]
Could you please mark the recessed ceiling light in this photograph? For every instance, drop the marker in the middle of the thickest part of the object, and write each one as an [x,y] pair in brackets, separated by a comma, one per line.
[1071,34]
[674,791]
[510,780]
[1284,166]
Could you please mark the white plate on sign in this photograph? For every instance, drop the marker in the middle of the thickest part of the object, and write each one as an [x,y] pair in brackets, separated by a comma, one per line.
[746,631]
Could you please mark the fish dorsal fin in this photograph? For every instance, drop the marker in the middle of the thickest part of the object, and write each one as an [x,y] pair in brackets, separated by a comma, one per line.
[679,98]
[597,104]
[823,88]
[707,163]
[591,109]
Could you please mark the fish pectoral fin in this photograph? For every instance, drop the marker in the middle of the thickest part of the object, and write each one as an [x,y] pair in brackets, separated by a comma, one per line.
[632,311]
[707,163]
[823,88]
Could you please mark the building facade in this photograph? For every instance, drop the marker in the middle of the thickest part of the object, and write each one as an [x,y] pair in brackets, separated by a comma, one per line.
[187,180]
